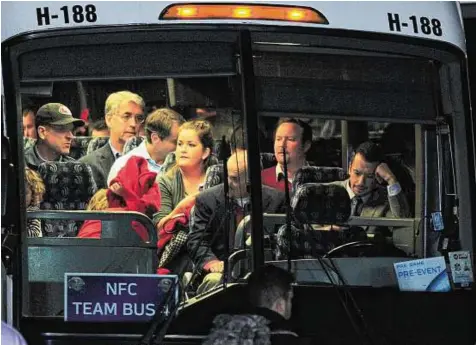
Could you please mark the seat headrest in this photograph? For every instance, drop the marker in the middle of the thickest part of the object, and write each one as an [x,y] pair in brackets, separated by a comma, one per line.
[28,142]
[96,143]
[315,203]
[131,144]
[67,181]
[79,146]
[213,176]
[268,160]
[313,174]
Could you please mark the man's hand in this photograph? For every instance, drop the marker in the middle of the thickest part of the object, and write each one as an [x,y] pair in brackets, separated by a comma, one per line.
[116,188]
[383,173]
[216,267]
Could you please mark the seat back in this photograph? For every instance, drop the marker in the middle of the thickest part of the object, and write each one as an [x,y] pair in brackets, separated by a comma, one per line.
[69,186]
[213,176]
[268,160]
[96,143]
[131,144]
[221,149]
[48,259]
[79,146]
[28,142]
[313,174]
[315,203]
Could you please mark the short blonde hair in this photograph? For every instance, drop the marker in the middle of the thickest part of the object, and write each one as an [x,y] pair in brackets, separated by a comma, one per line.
[35,183]
[99,201]
[114,101]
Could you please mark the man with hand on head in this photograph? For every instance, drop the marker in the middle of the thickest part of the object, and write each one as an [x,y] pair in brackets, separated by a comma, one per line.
[372,187]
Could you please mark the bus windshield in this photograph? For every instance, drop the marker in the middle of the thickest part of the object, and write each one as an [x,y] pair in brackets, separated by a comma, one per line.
[266,144]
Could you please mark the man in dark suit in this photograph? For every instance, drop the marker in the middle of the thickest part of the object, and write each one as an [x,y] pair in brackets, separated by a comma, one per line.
[365,186]
[124,115]
[210,212]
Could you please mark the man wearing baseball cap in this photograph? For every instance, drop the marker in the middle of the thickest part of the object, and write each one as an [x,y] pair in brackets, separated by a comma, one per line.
[54,126]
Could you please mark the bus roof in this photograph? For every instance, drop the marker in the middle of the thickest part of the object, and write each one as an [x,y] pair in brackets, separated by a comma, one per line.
[438,21]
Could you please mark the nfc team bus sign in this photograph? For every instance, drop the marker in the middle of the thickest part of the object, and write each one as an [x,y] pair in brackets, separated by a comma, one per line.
[109,297]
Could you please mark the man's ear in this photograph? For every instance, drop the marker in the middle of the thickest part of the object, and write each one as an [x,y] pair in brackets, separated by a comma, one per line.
[280,306]
[41,132]
[154,137]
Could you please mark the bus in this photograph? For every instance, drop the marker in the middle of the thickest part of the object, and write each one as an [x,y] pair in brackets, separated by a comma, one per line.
[391,73]
[468,10]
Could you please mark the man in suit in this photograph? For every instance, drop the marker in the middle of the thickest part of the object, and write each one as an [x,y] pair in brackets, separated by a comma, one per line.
[369,198]
[294,137]
[206,239]
[124,115]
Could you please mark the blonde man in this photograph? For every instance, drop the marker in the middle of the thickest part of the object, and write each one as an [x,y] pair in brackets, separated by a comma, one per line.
[124,115]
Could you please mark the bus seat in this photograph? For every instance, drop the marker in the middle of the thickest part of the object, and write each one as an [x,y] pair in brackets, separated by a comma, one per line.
[96,143]
[28,142]
[313,174]
[50,258]
[131,144]
[268,160]
[316,203]
[213,176]
[69,186]
[221,150]
[79,146]
[322,204]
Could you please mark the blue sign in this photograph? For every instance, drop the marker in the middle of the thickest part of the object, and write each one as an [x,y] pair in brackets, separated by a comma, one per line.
[423,275]
[109,297]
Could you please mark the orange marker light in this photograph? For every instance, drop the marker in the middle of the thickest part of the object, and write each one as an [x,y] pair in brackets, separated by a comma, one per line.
[203,11]
[296,15]
[187,11]
[242,12]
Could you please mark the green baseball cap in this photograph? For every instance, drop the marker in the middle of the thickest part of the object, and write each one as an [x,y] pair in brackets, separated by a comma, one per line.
[56,114]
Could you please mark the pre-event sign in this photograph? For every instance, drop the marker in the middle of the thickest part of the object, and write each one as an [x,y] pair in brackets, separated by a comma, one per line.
[108,297]
[423,275]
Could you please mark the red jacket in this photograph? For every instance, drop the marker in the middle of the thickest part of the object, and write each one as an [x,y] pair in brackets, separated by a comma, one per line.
[268,178]
[140,193]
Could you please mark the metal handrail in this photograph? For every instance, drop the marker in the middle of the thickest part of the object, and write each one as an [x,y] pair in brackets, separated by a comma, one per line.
[120,217]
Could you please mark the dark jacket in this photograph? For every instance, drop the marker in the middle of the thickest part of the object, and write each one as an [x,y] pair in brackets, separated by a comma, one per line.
[261,327]
[207,218]
[280,328]
[32,159]
[100,161]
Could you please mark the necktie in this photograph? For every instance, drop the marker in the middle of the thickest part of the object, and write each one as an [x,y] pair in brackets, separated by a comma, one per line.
[356,206]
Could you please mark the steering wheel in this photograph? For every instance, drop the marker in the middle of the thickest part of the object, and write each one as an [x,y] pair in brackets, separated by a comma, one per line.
[350,249]
[366,249]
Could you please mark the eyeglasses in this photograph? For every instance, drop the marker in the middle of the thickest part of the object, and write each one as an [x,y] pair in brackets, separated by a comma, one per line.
[127,117]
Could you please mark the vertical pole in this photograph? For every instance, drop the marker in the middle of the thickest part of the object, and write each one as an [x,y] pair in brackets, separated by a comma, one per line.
[252,131]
